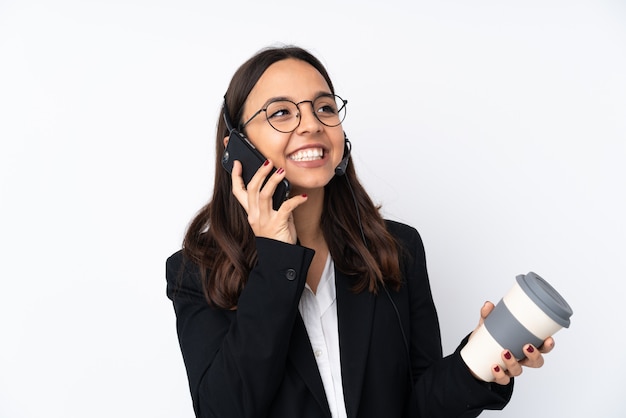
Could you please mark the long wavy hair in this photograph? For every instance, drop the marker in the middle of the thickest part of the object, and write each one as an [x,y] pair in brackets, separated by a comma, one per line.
[221,242]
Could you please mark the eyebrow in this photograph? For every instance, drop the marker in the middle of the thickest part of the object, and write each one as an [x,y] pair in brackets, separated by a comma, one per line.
[319,94]
[275,99]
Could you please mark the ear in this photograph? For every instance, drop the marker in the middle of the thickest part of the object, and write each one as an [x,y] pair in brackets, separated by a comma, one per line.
[226,141]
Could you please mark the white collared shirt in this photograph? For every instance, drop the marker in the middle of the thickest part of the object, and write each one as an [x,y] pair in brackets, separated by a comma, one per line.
[319,312]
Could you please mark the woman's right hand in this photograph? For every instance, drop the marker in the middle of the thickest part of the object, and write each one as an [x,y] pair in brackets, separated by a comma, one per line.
[256,200]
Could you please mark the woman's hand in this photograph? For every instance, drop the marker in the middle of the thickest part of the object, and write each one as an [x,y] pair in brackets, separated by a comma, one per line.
[256,200]
[534,355]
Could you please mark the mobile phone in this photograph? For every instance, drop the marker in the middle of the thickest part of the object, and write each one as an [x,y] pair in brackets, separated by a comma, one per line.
[241,149]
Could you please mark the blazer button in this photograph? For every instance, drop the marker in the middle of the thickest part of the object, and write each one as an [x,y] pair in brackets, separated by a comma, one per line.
[290,274]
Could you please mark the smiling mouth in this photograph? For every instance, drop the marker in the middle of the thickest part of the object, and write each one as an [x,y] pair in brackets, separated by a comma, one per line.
[309,154]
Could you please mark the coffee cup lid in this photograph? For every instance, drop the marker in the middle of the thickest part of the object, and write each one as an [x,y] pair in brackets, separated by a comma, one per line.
[546,297]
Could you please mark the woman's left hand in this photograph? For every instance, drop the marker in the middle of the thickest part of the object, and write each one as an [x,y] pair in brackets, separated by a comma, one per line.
[534,355]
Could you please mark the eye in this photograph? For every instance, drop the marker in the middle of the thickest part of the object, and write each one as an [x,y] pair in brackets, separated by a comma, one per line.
[327,109]
[325,106]
[278,113]
[280,110]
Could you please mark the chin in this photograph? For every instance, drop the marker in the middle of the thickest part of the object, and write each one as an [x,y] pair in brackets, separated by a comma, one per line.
[311,185]
[311,178]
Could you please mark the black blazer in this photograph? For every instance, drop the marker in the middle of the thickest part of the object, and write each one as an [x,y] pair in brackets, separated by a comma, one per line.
[256,361]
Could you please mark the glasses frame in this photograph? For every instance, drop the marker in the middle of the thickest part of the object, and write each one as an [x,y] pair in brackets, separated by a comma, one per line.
[264,109]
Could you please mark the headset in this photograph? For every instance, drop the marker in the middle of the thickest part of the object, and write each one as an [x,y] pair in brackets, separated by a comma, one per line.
[340,171]
[227,120]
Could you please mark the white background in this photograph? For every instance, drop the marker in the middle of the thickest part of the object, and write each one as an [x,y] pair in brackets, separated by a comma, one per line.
[498,129]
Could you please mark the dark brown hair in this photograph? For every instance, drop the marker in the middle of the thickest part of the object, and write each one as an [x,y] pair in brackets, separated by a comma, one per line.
[221,242]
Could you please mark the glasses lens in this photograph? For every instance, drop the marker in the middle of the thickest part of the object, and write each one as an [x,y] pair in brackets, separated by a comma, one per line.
[330,110]
[282,115]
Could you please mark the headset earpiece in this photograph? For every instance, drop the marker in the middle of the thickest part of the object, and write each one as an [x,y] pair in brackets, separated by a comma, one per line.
[340,170]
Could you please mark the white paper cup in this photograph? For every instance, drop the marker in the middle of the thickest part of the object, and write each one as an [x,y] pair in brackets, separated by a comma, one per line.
[529,313]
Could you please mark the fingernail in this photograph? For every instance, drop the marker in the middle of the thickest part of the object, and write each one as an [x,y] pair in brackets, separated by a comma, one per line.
[507,355]
[266,162]
[496,369]
[530,349]
[303,194]
[280,171]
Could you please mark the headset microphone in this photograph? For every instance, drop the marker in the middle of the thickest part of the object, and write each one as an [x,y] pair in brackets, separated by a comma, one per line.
[340,170]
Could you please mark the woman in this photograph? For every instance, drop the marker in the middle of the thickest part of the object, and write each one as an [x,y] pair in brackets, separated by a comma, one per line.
[320,308]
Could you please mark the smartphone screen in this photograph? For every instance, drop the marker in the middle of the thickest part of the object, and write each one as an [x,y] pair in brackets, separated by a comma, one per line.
[239,148]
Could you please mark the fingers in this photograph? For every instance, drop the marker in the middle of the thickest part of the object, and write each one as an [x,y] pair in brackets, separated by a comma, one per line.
[257,200]
[256,193]
[486,310]
[512,367]
[254,187]
[533,357]
[499,375]
[261,188]
[269,188]
[547,346]
[238,187]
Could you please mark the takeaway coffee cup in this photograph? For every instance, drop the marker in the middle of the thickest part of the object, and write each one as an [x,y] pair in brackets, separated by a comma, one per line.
[529,313]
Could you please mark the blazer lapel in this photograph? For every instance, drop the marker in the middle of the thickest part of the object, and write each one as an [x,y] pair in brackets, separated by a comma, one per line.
[301,356]
[355,313]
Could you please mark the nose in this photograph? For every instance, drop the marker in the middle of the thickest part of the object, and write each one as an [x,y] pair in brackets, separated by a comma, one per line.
[308,121]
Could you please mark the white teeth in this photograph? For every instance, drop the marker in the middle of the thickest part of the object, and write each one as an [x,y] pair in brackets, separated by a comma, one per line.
[309,154]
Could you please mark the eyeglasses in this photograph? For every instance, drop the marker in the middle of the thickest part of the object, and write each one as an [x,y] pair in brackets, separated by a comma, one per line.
[285,115]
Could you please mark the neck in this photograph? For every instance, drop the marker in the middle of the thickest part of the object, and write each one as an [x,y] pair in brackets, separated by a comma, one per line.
[307,219]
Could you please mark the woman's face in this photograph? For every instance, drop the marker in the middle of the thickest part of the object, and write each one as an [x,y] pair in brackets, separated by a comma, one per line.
[309,154]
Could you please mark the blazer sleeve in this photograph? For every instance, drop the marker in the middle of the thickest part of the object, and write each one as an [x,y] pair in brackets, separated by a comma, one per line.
[235,359]
[443,386]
